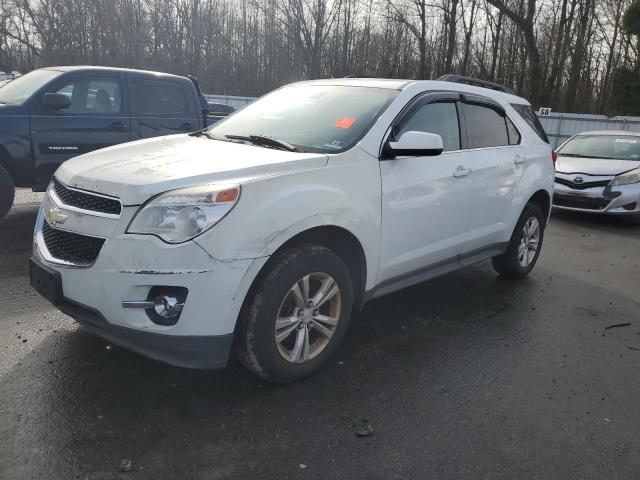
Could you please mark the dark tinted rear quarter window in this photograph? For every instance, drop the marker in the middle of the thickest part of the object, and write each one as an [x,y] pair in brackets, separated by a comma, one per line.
[526,112]
[159,98]
[514,134]
[485,126]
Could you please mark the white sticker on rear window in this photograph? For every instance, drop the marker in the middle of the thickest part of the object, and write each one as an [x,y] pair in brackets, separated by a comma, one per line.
[626,140]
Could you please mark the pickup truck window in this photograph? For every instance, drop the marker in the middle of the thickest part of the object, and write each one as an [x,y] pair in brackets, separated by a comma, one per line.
[20,90]
[159,98]
[314,118]
[93,95]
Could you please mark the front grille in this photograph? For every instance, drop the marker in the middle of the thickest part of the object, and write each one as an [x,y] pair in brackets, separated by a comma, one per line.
[71,247]
[587,203]
[85,200]
[584,185]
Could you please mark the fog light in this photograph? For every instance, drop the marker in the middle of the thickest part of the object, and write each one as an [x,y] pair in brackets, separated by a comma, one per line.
[167,304]
[163,305]
[167,307]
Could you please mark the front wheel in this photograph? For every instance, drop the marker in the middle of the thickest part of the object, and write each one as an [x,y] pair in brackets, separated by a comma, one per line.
[7,192]
[524,246]
[297,314]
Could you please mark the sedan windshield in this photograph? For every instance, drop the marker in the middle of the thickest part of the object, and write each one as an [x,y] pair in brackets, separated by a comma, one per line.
[612,147]
[312,118]
[19,90]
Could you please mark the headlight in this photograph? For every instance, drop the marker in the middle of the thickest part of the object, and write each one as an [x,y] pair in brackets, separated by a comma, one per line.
[626,178]
[180,215]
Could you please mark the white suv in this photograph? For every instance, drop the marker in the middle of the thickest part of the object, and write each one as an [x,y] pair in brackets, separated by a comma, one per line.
[267,230]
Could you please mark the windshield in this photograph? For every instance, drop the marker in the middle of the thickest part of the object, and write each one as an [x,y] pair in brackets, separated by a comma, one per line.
[611,147]
[315,118]
[19,90]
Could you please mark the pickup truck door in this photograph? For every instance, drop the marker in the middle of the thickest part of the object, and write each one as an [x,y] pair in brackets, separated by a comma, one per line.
[97,117]
[163,107]
[426,201]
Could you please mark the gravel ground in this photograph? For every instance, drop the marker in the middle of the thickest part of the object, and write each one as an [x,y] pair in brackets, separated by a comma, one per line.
[465,376]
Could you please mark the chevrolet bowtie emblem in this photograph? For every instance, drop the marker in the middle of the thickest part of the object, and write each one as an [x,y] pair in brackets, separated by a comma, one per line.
[55,216]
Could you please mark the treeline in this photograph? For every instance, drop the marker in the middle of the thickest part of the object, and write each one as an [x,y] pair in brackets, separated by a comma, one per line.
[560,53]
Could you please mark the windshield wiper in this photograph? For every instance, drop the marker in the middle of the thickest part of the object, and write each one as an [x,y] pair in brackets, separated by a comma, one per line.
[264,140]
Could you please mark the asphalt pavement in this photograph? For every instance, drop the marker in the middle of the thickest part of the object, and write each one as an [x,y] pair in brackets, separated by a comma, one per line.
[466,376]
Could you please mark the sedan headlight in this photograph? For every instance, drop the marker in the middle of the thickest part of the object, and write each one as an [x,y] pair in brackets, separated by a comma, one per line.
[626,178]
[180,215]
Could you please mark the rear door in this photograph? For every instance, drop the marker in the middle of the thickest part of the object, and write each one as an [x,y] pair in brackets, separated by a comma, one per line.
[162,106]
[499,164]
[97,118]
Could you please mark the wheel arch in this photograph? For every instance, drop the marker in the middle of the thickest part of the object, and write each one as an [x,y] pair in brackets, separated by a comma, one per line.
[338,239]
[5,161]
[543,200]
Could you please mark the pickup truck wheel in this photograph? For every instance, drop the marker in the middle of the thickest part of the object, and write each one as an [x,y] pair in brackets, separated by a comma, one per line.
[525,245]
[7,192]
[297,315]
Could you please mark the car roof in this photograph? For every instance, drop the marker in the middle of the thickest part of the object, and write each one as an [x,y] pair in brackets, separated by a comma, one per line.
[610,132]
[418,85]
[92,68]
[388,83]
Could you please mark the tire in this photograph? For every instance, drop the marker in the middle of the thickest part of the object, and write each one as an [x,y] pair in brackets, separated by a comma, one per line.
[273,297]
[512,263]
[7,192]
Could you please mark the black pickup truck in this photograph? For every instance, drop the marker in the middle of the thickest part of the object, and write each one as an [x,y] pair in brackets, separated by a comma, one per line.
[50,115]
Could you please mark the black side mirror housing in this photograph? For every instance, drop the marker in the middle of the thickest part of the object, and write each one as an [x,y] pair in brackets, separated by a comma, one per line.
[56,101]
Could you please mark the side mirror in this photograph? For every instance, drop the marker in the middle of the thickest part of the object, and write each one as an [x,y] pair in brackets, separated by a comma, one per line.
[56,101]
[415,144]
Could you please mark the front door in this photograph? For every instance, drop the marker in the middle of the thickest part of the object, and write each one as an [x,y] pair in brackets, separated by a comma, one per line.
[96,118]
[426,201]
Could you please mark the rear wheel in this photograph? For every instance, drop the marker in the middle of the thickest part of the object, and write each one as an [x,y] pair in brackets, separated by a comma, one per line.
[297,315]
[7,192]
[524,246]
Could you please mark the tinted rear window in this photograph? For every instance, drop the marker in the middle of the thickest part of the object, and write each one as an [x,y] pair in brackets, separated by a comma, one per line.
[159,98]
[485,126]
[526,112]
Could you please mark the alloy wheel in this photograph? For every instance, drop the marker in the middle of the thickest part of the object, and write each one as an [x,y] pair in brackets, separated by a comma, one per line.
[529,241]
[308,317]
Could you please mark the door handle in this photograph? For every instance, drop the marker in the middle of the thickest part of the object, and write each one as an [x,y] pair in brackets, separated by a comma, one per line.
[518,159]
[118,126]
[186,126]
[461,171]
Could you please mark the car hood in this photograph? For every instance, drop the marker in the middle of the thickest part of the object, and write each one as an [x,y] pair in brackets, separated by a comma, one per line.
[136,171]
[594,166]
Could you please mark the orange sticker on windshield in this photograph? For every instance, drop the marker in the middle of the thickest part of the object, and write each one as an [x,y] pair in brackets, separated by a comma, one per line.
[345,122]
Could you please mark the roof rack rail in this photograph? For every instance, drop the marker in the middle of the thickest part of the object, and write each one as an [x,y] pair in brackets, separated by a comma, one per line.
[476,82]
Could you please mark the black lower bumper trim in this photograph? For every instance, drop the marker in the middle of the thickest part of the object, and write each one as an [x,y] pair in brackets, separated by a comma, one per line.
[180,350]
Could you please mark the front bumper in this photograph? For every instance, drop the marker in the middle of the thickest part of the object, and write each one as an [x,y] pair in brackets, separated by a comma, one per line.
[127,268]
[190,351]
[611,200]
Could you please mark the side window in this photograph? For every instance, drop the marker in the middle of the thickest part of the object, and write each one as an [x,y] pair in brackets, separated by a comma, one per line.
[526,112]
[440,118]
[485,126]
[93,95]
[159,98]
[514,134]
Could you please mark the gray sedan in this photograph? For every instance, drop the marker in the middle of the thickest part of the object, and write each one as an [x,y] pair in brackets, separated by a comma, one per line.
[599,172]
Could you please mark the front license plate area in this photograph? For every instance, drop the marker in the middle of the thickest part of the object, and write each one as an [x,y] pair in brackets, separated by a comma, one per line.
[46,281]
